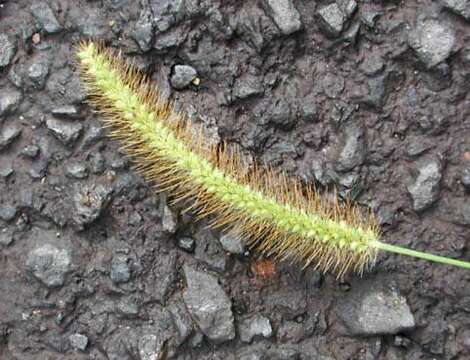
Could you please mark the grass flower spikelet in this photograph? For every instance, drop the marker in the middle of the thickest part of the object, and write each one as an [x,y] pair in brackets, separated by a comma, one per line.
[273,213]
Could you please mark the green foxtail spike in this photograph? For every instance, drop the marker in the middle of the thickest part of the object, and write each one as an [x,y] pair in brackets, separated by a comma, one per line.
[274,214]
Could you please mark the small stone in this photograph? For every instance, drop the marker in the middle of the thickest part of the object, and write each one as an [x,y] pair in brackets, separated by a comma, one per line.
[97,163]
[69,111]
[209,306]
[77,170]
[120,272]
[232,244]
[187,244]
[182,76]
[375,309]
[183,323]
[37,72]
[353,151]
[6,237]
[36,38]
[30,151]
[6,171]
[372,64]
[78,341]
[425,189]
[7,212]
[92,136]
[284,15]
[89,203]
[128,307]
[49,265]
[255,326]
[432,41]
[460,7]
[332,84]
[64,131]
[7,50]
[465,177]
[8,135]
[347,6]
[9,101]
[247,86]
[169,220]
[143,31]
[332,19]
[45,17]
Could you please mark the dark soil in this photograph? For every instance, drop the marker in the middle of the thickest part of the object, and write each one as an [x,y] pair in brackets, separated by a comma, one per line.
[371,98]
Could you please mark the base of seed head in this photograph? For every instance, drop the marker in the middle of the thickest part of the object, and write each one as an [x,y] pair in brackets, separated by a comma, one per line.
[274,214]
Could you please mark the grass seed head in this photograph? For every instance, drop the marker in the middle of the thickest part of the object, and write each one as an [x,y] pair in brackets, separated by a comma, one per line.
[274,214]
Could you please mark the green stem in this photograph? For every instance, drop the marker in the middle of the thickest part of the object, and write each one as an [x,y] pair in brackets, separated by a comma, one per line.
[422,255]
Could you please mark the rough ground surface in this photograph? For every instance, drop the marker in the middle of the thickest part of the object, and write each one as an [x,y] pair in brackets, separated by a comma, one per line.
[370,96]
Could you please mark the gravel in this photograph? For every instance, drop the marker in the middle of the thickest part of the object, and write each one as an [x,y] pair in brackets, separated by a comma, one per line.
[332,19]
[379,310]
[49,265]
[208,305]
[232,244]
[7,50]
[255,326]
[78,341]
[65,131]
[284,15]
[426,187]
[460,7]
[182,76]
[45,17]
[433,41]
[10,99]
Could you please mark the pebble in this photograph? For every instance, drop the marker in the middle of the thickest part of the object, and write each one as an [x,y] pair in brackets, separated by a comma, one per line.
[232,244]
[208,305]
[78,341]
[169,220]
[465,177]
[45,17]
[7,212]
[257,325]
[6,237]
[187,244]
[182,320]
[332,19]
[353,151]
[89,203]
[432,41]
[77,170]
[425,189]
[120,271]
[9,101]
[247,86]
[143,31]
[8,135]
[460,7]
[182,76]
[37,73]
[30,151]
[68,111]
[49,265]
[7,50]
[347,6]
[284,15]
[65,131]
[375,309]
[97,163]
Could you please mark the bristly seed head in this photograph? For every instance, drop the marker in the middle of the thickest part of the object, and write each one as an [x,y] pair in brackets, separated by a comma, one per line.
[274,214]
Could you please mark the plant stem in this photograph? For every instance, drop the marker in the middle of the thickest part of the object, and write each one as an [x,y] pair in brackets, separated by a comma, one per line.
[422,255]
